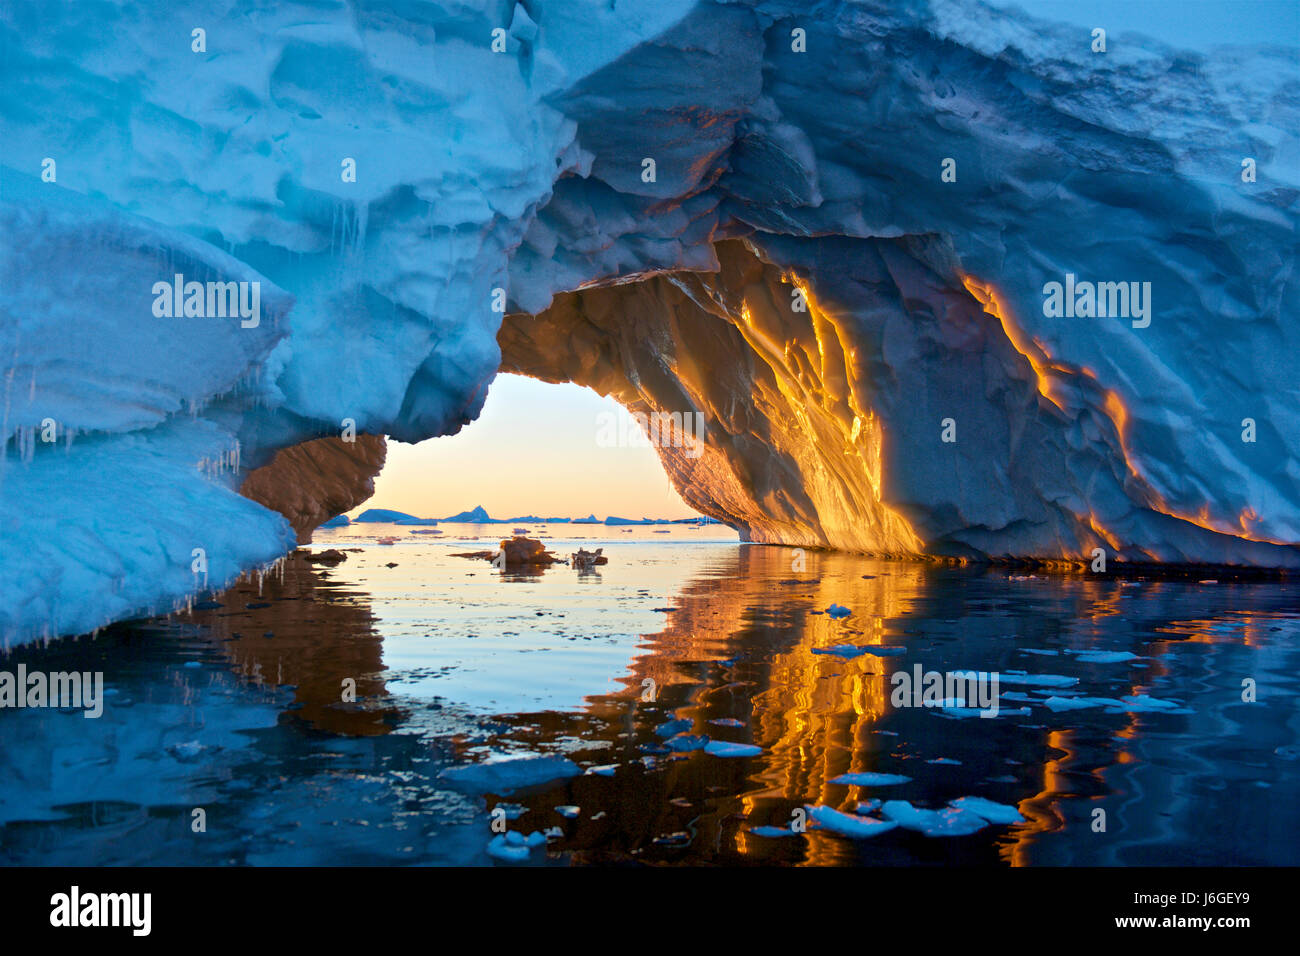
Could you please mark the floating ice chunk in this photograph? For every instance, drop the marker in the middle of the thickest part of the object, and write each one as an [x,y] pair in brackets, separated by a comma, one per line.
[1019,696]
[847,824]
[857,650]
[1038,650]
[1104,657]
[951,821]
[946,761]
[1137,704]
[1057,704]
[773,832]
[868,779]
[606,771]
[1036,680]
[720,748]
[990,811]
[685,743]
[838,611]
[867,806]
[569,812]
[502,848]
[727,722]
[506,774]
[956,708]
[673,727]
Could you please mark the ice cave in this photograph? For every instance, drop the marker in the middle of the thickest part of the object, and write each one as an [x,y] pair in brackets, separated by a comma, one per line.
[838,239]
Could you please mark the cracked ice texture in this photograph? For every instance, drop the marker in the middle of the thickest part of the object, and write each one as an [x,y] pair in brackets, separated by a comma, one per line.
[522,170]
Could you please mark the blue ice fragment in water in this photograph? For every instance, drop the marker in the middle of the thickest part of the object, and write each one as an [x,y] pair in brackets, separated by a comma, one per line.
[720,748]
[867,806]
[606,771]
[838,611]
[502,849]
[871,779]
[1036,680]
[847,824]
[773,832]
[1037,650]
[947,761]
[1056,704]
[727,722]
[685,743]
[990,811]
[1138,704]
[1104,657]
[673,727]
[568,812]
[506,774]
[857,650]
[950,821]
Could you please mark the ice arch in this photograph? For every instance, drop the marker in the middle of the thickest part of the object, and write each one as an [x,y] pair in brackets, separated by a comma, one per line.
[525,172]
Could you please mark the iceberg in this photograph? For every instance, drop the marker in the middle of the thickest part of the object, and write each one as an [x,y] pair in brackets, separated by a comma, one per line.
[231,271]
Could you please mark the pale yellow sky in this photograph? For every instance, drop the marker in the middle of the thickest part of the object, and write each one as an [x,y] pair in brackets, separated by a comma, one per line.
[533,451]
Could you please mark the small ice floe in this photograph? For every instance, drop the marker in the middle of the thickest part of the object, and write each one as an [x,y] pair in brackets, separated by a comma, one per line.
[849,824]
[950,821]
[685,743]
[867,806]
[512,811]
[189,751]
[1137,704]
[956,709]
[506,774]
[720,748]
[946,761]
[727,722]
[606,771]
[1019,696]
[838,611]
[514,846]
[773,832]
[1038,650]
[193,664]
[1036,680]
[871,779]
[673,727]
[1103,657]
[675,840]
[990,811]
[857,650]
[568,812]
[1058,704]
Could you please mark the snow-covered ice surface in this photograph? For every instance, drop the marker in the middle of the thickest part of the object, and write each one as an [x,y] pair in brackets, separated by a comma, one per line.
[487,733]
[523,171]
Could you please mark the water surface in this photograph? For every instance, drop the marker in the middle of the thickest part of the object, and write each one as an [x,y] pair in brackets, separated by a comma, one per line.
[238,709]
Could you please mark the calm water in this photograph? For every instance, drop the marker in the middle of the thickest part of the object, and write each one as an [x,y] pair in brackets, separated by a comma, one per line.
[237,709]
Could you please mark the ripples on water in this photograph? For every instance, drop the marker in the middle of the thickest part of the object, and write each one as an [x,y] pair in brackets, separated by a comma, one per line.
[455,663]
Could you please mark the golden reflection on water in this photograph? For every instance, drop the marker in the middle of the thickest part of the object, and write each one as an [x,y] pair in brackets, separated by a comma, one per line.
[815,716]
